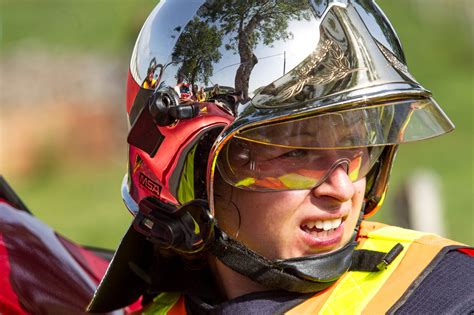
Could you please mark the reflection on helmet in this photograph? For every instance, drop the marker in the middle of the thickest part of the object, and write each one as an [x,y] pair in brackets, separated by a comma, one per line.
[315,84]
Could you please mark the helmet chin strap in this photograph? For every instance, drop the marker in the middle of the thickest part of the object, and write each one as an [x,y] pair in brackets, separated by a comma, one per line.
[304,274]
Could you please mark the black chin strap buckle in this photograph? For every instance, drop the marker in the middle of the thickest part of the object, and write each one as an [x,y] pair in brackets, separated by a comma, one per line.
[390,257]
[374,261]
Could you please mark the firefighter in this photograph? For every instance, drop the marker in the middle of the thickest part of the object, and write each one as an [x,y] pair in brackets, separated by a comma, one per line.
[256,200]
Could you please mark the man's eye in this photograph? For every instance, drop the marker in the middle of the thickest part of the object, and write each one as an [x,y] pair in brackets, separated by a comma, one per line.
[295,154]
[243,157]
[347,141]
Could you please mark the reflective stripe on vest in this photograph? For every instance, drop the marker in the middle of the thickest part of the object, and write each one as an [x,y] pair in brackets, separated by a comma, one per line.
[376,292]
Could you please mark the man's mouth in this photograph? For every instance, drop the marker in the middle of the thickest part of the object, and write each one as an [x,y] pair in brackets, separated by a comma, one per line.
[322,229]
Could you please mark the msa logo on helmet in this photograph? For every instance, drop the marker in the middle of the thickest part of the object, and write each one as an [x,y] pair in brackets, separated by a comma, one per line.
[149,184]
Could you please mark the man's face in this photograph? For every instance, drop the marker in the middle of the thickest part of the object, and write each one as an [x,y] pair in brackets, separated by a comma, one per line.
[288,224]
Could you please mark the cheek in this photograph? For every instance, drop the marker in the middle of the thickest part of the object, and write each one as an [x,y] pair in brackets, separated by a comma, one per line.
[357,200]
[226,212]
[359,191]
[260,213]
[266,222]
[267,206]
[227,215]
[248,213]
[256,209]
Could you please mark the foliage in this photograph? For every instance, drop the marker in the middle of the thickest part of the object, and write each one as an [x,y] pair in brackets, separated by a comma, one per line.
[196,50]
[243,21]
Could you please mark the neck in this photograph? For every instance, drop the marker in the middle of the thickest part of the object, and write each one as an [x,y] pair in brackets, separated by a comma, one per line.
[232,284]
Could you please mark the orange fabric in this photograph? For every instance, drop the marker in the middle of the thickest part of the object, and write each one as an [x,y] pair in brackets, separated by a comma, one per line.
[367,226]
[179,308]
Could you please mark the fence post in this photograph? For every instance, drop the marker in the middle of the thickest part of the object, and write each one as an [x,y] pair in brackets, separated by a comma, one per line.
[418,203]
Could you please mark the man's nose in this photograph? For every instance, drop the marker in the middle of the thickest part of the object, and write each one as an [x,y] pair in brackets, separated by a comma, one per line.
[337,185]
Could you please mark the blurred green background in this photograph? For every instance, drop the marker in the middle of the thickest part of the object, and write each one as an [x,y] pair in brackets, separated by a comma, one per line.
[78,193]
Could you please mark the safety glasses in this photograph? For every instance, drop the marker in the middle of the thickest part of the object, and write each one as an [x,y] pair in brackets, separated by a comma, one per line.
[301,153]
[263,167]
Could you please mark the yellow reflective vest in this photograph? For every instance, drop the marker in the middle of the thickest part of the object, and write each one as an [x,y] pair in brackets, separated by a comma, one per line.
[356,292]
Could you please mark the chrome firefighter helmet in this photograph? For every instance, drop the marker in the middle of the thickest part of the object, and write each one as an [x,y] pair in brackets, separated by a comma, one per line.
[327,79]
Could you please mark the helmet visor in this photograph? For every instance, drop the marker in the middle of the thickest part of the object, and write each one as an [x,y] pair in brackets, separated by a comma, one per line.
[301,153]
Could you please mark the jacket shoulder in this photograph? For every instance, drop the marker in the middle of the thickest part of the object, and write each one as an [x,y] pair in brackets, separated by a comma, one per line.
[446,285]
[425,257]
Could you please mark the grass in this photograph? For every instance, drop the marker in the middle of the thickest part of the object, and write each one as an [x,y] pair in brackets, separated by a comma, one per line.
[105,26]
[82,203]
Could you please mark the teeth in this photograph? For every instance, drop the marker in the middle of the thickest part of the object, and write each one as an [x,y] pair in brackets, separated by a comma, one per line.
[310,225]
[324,225]
[327,225]
[319,224]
